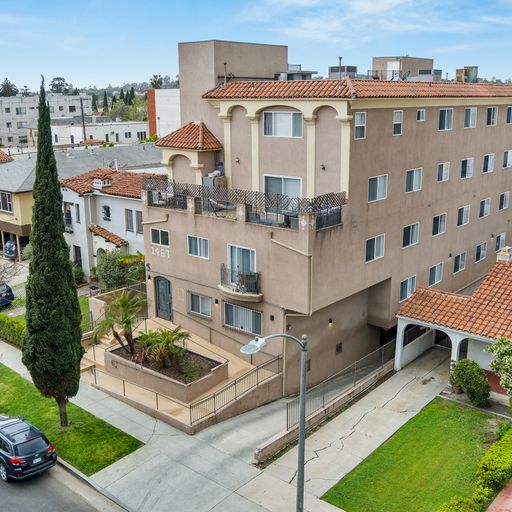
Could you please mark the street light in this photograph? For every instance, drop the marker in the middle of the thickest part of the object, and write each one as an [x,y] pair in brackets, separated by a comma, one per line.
[256,345]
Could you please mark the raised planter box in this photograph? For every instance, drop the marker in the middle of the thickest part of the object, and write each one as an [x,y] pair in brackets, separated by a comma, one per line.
[132,372]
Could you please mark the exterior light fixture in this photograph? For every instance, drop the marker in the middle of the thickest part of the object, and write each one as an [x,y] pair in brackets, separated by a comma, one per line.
[330,321]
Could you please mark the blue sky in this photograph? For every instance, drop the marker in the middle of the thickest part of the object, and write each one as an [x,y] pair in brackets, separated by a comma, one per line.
[95,42]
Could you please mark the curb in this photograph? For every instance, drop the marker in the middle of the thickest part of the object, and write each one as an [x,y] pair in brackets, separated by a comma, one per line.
[80,476]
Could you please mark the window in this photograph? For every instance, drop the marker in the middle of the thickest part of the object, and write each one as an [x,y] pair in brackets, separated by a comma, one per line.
[282,124]
[8,110]
[77,256]
[463,215]
[72,108]
[282,185]
[61,108]
[138,222]
[411,234]
[507,159]
[241,260]
[470,117]
[243,319]
[374,248]
[466,168]
[504,198]
[509,115]
[56,138]
[197,246]
[159,237]
[6,202]
[420,115]
[435,274]
[407,288]
[398,118]
[500,241]
[128,217]
[377,188]
[360,125]
[488,163]
[200,304]
[10,139]
[106,212]
[21,111]
[459,263]
[492,116]
[445,119]
[413,180]
[22,124]
[443,171]
[485,208]
[77,213]
[481,252]
[127,135]
[72,139]
[8,125]
[439,224]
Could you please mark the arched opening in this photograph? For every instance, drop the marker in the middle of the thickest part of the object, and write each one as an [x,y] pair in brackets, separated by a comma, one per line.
[99,254]
[163,298]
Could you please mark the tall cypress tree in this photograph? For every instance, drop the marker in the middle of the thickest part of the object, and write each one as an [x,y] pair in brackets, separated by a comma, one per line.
[105,103]
[132,96]
[52,348]
[121,96]
[94,105]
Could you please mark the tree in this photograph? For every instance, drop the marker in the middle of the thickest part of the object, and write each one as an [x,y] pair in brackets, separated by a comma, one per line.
[75,92]
[105,103]
[58,85]
[132,96]
[156,81]
[114,100]
[7,88]
[25,91]
[94,105]
[121,318]
[52,348]
[121,96]
[112,272]
[501,365]
[136,265]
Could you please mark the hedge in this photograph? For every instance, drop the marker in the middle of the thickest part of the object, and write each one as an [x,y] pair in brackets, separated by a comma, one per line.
[459,505]
[12,330]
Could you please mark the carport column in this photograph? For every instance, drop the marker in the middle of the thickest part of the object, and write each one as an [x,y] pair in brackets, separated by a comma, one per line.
[399,346]
[19,247]
[227,146]
[255,151]
[456,340]
[3,242]
[310,155]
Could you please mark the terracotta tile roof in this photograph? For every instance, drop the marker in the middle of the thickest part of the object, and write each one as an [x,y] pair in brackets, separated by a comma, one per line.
[124,183]
[487,312]
[4,157]
[348,88]
[195,136]
[108,235]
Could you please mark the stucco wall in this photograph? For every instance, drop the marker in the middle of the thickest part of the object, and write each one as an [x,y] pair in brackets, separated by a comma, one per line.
[477,353]
[241,149]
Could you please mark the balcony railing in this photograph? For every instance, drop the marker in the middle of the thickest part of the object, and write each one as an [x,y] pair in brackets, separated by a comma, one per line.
[240,282]
[260,207]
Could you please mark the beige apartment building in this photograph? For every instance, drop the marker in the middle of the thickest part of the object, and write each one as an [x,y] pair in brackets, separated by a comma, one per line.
[336,200]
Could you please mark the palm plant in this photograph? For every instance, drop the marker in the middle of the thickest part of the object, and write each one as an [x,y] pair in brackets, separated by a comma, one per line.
[163,345]
[121,317]
[136,265]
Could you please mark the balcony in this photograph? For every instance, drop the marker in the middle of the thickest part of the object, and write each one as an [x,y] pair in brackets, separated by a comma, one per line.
[241,286]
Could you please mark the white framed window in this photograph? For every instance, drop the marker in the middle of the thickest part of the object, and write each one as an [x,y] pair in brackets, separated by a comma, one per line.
[21,111]
[22,124]
[500,242]
[197,246]
[485,208]
[443,171]
[398,119]
[139,228]
[488,163]
[6,202]
[377,188]
[282,124]
[242,319]
[200,304]
[435,274]
[360,125]
[466,168]
[77,213]
[420,115]
[241,260]
[128,217]
[284,185]
[439,224]
[492,116]
[445,119]
[411,234]
[160,237]
[509,115]
[504,199]
[413,180]
[463,215]
[507,159]
[374,248]
[481,252]
[459,262]
[105,210]
[407,288]
[470,117]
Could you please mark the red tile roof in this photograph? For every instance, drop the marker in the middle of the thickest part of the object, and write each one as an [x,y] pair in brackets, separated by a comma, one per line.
[347,88]
[487,312]
[124,183]
[195,136]
[4,157]
[108,235]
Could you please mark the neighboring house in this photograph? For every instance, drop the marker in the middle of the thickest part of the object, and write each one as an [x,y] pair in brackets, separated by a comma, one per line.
[5,157]
[103,212]
[408,184]
[163,111]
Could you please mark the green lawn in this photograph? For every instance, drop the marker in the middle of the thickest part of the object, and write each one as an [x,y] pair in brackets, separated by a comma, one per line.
[430,459]
[89,444]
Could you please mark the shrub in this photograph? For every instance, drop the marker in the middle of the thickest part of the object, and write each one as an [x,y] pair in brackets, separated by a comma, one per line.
[12,330]
[473,381]
[78,275]
[502,429]
[459,505]
[26,253]
[112,272]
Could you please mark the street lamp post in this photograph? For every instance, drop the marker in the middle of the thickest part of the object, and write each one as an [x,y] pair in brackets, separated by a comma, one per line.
[256,345]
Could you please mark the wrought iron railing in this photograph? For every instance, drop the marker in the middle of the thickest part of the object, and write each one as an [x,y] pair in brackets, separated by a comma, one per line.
[241,282]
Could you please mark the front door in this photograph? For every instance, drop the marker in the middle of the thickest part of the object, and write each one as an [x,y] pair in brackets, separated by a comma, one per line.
[163,298]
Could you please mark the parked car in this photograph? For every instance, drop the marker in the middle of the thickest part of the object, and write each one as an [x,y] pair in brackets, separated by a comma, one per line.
[6,294]
[24,449]
[10,250]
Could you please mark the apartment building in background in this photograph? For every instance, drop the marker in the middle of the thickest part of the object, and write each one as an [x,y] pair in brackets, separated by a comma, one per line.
[163,111]
[332,201]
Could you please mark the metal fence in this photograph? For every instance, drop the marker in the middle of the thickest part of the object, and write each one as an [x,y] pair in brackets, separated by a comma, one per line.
[243,282]
[319,396]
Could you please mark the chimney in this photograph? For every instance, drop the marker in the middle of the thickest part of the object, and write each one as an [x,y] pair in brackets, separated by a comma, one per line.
[505,255]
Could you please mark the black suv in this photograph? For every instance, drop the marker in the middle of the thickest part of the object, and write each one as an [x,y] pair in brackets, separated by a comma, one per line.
[24,449]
